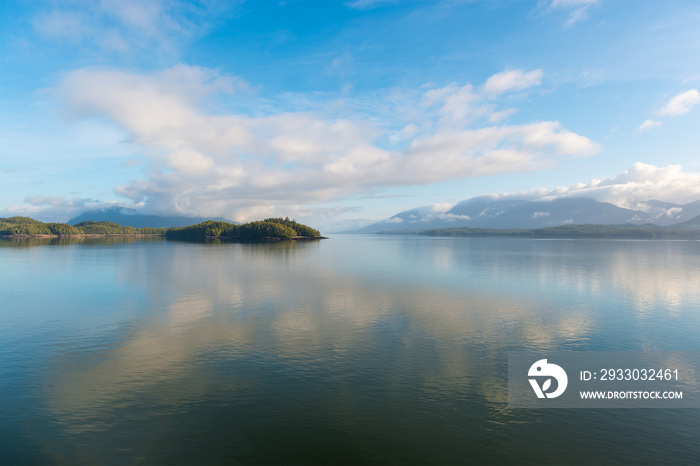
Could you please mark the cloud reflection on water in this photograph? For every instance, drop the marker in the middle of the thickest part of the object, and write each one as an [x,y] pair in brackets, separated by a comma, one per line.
[350,332]
[232,300]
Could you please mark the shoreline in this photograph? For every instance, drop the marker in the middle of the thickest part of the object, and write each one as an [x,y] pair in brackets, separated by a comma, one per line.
[267,238]
[142,235]
[88,235]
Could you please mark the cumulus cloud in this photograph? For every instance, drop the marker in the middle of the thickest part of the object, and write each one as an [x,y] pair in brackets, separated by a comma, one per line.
[641,182]
[459,105]
[681,103]
[648,124]
[514,80]
[238,165]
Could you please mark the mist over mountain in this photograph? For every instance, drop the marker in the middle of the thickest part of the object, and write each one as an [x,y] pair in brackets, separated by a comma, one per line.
[130,217]
[511,212]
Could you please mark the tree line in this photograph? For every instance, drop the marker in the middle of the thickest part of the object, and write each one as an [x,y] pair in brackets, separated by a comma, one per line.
[25,226]
[268,228]
[568,231]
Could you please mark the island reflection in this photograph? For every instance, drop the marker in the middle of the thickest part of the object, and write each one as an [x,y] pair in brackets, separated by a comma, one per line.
[341,338]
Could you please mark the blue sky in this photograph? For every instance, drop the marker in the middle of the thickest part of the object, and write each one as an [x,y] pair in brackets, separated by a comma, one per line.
[341,113]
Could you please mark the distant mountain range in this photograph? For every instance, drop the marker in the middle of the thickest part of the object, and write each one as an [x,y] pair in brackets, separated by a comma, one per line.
[130,217]
[511,213]
[692,223]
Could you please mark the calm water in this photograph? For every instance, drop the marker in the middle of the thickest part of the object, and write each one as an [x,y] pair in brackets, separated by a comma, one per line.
[350,350]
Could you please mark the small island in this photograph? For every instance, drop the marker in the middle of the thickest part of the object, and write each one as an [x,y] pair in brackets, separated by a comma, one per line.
[270,229]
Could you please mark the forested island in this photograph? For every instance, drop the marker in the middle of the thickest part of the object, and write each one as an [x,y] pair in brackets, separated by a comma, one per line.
[272,229]
[649,231]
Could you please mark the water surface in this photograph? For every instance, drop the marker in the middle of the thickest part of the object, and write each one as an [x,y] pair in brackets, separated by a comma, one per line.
[356,349]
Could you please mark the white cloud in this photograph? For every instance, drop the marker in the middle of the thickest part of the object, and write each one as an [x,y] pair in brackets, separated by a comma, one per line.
[453,217]
[577,10]
[513,80]
[56,208]
[641,182]
[428,213]
[240,166]
[441,207]
[496,117]
[128,26]
[459,105]
[404,133]
[648,124]
[681,103]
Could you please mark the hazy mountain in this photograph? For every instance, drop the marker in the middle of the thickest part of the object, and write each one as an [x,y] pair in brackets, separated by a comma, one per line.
[492,212]
[129,217]
[667,213]
[692,223]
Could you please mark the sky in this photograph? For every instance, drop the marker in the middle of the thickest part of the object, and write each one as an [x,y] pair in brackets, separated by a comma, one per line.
[342,113]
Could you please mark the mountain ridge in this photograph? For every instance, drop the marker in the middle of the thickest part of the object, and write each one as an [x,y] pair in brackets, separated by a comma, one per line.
[517,213]
[130,217]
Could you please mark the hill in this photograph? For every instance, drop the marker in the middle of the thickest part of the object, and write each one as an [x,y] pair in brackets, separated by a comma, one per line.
[692,223]
[130,217]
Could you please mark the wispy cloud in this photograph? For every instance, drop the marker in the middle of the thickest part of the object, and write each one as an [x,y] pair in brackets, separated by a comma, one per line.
[128,26]
[368,4]
[681,103]
[576,10]
[513,80]
[649,124]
